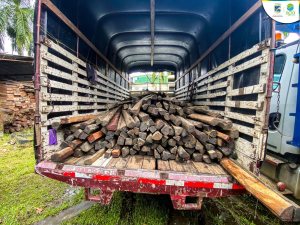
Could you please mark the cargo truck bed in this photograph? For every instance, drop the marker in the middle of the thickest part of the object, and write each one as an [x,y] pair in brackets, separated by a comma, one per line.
[149,163]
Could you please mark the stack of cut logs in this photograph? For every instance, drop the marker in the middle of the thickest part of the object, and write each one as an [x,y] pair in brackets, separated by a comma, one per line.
[164,128]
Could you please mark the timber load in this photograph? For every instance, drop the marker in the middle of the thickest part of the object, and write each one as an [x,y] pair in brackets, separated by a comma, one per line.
[164,128]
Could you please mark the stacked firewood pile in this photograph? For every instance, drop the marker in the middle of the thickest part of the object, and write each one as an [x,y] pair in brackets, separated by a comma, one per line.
[18,107]
[164,128]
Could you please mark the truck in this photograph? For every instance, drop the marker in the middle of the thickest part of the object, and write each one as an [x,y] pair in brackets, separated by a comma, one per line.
[282,157]
[222,55]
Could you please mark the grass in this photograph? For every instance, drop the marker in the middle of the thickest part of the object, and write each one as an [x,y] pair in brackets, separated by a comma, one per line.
[25,197]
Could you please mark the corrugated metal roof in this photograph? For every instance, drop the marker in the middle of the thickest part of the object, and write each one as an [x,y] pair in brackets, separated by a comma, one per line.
[15,67]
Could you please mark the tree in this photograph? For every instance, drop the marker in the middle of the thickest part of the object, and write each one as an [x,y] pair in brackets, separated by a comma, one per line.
[16,21]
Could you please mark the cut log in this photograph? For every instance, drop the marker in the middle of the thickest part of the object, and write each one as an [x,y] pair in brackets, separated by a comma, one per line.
[225,151]
[78,153]
[77,133]
[202,137]
[206,159]
[156,154]
[113,124]
[212,133]
[75,144]
[109,106]
[87,146]
[188,111]
[166,105]
[175,120]
[95,136]
[189,127]
[197,124]
[132,151]
[109,116]
[273,201]
[125,152]
[221,142]
[167,117]
[225,137]
[165,155]
[116,153]
[224,124]
[94,157]
[209,147]
[149,139]
[111,144]
[137,107]
[128,141]
[234,133]
[64,145]
[219,155]
[76,119]
[91,128]
[143,116]
[87,123]
[197,157]
[108,153]
[130,123]
[212,141]
[75,127]
[179,111]
[182,153]
[205,119]
[153,111]
[172,142]
[160,149]
[145,106]
[212,154]
[100,144]
[83,136]
[143,135]
[137,121]
[62,154]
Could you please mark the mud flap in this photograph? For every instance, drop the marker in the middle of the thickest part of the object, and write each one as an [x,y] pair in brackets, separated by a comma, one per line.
[179,203]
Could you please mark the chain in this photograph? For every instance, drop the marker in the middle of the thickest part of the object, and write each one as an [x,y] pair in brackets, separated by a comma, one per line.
[278,103]
[49,90]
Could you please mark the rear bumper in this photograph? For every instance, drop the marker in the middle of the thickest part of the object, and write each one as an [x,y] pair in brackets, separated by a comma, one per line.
[177,185]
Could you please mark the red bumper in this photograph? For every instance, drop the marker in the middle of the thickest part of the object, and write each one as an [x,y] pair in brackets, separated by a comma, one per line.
[177,185]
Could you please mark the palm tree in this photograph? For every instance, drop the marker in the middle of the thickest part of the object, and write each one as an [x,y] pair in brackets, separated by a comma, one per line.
[16,20]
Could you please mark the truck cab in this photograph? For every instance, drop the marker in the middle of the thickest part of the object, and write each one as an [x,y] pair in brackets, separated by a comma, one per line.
[282,158]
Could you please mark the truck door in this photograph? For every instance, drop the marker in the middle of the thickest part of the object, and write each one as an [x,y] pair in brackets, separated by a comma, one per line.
[283,71]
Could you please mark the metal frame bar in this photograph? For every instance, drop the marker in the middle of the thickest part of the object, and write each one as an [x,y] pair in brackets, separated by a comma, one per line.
[152,29]
[238,23]
[58,13]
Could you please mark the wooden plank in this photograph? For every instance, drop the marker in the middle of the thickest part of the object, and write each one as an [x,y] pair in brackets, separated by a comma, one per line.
[69,87]
[82,159]
[55,10]
[163,165]
[71,160]
[260,88]
[104,164]
[149,163]
[112,163]
[122,162]
[94,157]
[52,71]
[75,119]
[189,167]
[99,161]
[72,98]
[65,108]
[246,147]
[202,168]
[213,95]
[236,104]
[175,166]
[135,162]
[247,130]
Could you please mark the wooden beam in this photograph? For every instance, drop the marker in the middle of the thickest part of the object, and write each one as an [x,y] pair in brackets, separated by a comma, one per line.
[273,201]
[57,12]
[238,23]
[152,29]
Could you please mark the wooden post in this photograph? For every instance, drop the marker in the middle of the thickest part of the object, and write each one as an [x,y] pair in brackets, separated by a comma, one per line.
[273,201]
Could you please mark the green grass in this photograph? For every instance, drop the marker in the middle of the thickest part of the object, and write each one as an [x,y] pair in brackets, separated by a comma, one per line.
[128,208]
[22,193]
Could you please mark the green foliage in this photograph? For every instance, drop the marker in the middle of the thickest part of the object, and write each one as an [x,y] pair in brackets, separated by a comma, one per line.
[153,78]
[17,21]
